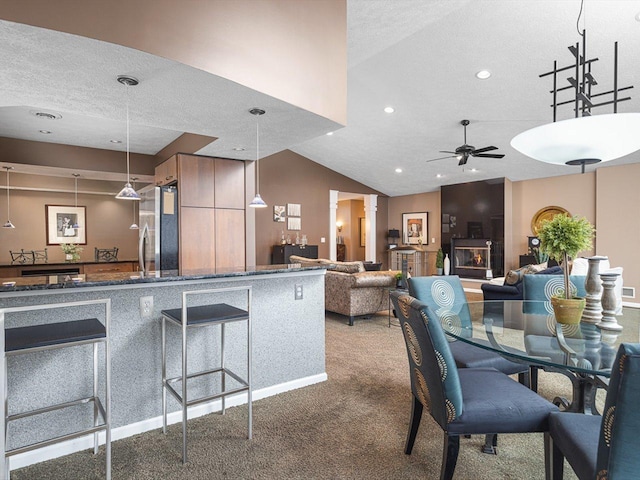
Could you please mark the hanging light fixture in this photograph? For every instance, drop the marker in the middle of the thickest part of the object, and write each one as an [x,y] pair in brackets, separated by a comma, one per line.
[76,226]
[8,224]
[134,225]
[585,139]
[257,201]
[128,192]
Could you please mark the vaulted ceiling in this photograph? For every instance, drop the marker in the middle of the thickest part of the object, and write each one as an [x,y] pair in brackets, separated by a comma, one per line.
[419,57]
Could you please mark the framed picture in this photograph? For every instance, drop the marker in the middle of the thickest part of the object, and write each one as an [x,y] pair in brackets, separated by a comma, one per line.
[61,220]
[278,213]
[293,209]
[363,232]
[415,228]
[293,223]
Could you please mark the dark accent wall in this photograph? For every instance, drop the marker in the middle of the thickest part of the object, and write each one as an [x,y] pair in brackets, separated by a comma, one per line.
[478,209]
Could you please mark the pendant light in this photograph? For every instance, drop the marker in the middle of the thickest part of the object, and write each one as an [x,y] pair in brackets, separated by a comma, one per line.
[8,224]
[134,225]
[75,226]
[257,201]
[128,192]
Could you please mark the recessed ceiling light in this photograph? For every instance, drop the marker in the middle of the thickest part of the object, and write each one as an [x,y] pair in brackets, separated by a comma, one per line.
[389,109]
[238,149]
[439,175]
[46,115]
[46,132]
[115,141]
[483,74]
[398,170]
[474,170]
[329,133]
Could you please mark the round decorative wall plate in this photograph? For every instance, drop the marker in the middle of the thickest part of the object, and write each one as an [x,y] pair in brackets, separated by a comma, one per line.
[546,213]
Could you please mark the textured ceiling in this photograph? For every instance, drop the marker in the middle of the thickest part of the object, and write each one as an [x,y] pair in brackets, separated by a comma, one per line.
[418,56]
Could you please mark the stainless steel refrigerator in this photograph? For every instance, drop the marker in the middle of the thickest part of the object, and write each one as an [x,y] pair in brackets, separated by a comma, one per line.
[159,227]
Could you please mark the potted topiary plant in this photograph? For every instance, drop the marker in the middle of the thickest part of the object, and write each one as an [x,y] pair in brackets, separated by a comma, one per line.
[439,261]
[562,238]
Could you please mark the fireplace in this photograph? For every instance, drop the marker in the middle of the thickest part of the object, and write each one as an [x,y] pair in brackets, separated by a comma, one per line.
[471,257]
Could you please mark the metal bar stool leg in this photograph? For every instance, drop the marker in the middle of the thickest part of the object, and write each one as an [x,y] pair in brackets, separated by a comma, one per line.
[164,375]
[107,394]
[224,377]
[95,395]
[184,383]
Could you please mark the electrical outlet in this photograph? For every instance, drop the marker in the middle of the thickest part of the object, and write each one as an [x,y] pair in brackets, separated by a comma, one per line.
[298,295]
[146,306]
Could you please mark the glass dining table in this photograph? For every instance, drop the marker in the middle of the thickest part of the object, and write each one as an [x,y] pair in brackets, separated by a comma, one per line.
[527,332]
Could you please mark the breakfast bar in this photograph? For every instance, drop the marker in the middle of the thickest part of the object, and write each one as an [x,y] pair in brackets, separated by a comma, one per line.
[288,345]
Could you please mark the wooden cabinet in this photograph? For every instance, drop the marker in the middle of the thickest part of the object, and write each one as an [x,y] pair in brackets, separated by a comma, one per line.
[108,267]
[197,185]
[167,172]
[229,184]
[230,238]
[197,245]
[211,201]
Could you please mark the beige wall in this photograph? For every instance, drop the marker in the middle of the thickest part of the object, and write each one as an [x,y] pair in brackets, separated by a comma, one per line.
[298,47]
[108,222]
[287,177]
[422,202]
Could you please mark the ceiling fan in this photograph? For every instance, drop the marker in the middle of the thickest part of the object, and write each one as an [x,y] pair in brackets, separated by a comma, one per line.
[463,152]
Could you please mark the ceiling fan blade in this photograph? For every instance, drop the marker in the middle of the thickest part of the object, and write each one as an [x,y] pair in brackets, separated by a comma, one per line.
[490,155]
[446,151]
[482,150]
[440,158]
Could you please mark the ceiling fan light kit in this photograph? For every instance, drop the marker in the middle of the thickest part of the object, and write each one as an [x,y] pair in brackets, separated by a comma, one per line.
[463,152]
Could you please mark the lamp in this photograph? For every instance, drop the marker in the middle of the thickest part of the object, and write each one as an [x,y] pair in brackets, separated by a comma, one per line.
[339,225]
[257,201]
[8,224]
[75,226]
[128,192]
[585,139]
[134,225]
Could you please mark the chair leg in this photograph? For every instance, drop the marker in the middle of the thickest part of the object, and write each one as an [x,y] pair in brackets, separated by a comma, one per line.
[533,375]
[449,456]
[553,459]
[351,319]
[490,443]
[416,415]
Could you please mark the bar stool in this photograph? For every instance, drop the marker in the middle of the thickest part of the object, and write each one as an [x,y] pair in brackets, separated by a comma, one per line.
[202,316]
[37,338]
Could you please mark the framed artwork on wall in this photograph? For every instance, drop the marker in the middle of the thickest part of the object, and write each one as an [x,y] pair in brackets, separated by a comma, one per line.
[278,213]
[415,229]
[60,223]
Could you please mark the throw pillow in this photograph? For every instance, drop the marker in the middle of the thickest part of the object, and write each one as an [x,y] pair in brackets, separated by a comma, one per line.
[515,276]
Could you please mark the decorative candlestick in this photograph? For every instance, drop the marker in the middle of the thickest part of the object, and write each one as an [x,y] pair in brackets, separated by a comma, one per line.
[609,321]
[592,313]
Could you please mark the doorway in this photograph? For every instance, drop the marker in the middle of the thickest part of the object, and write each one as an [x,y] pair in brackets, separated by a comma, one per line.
[352,226]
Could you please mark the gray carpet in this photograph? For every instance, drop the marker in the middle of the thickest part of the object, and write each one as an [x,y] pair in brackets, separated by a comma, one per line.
[351,427]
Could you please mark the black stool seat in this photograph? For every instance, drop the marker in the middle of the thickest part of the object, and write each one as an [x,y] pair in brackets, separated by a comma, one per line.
[219,312]
[22,338]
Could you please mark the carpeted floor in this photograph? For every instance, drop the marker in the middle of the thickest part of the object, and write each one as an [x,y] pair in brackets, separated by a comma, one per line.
[352,426]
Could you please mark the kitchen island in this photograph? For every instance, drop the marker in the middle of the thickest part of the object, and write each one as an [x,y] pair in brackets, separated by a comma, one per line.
[288,345]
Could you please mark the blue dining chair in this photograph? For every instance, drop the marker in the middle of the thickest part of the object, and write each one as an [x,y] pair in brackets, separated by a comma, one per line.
[462,401]
[601,447]
[445,296]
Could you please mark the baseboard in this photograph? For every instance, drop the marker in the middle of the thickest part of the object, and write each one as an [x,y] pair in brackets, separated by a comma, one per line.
[76,445]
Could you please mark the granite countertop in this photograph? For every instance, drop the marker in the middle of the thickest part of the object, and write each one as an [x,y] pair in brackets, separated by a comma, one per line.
[49,282]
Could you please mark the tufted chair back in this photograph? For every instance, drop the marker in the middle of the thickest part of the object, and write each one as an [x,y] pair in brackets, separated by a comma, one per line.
[445,296]
[434,375]
[619,443]
[543,287]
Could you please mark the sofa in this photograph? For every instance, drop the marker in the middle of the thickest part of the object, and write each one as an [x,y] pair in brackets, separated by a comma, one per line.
[351,290]
[511,287]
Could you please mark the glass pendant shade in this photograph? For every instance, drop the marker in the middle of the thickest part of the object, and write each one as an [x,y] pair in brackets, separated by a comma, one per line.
[257,202]
[582,140]
[8,223]
[128,192]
